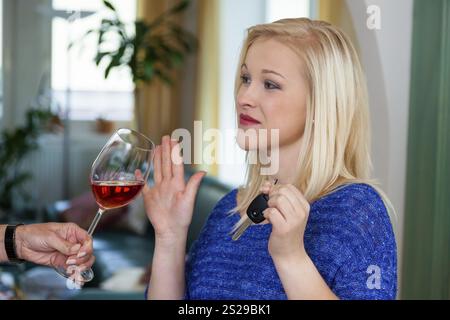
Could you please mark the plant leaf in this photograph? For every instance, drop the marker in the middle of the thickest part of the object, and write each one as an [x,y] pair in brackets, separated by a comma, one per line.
[148,71]
[109,5]
[179,7]
[100,56]
[164,76]
[116,60]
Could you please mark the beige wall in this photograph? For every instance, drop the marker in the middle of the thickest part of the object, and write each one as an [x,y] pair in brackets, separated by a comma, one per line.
[386,55]
[29,23]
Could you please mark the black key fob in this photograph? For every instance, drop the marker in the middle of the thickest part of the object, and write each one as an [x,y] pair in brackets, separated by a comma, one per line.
[256,208]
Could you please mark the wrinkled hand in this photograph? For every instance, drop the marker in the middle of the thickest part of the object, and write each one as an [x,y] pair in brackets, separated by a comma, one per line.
[288,213]
[170,202]
[55,244]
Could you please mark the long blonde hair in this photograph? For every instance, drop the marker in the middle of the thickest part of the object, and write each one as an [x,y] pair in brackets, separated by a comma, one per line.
[335,149]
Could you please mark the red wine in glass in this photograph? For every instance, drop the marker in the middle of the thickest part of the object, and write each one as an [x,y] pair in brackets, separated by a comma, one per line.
[115,194]
[118,175]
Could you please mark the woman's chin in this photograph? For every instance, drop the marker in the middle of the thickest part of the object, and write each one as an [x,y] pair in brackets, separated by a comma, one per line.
[247,148]
[251,146]
[246,142]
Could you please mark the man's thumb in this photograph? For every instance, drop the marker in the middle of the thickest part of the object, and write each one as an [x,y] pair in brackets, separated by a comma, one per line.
[194,183]
[65,247]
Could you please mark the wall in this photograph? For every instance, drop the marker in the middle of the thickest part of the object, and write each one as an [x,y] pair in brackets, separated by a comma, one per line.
[24,22]
[235,17]
[188,74]
[386,56]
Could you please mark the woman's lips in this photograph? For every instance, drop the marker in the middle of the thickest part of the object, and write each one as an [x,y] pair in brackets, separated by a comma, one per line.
[246,120]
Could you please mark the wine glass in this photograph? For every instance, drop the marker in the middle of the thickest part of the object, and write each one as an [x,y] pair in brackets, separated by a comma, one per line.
[117,176]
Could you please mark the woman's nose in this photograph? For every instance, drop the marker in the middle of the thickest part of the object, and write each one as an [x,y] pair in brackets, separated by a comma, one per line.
[247,98]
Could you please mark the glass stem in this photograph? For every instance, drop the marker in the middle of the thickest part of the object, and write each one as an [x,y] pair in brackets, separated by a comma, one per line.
[95,221]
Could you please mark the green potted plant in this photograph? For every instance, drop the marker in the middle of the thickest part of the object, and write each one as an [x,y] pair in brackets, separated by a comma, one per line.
[153,50]
[15,145]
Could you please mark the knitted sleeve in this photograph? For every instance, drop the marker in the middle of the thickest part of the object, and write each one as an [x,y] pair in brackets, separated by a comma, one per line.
[369,257]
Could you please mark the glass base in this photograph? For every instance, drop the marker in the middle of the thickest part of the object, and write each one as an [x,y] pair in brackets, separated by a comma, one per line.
[77,276]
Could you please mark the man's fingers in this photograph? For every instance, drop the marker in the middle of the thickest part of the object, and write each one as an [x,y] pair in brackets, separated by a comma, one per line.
[81,235]
[78,259]
[86,249]
[88,264]
[69,239]
[65,247]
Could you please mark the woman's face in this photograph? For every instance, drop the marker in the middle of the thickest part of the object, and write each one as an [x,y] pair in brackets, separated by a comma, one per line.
[272,95]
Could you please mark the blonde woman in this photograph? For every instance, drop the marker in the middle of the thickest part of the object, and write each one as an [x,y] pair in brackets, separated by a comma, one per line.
[327,233]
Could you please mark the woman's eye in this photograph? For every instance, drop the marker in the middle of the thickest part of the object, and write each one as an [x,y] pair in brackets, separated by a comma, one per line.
[270,85]
[245,79]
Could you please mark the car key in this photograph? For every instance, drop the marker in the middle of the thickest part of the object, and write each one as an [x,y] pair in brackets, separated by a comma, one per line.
[254,212]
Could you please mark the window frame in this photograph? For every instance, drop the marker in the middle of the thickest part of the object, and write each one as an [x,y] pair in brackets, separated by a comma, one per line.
[102,112]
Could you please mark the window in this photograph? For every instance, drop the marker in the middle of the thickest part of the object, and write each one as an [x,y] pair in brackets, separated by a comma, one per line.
[77,83]
[280,9]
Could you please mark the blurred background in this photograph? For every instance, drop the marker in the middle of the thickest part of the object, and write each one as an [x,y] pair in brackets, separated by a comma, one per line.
[73,71]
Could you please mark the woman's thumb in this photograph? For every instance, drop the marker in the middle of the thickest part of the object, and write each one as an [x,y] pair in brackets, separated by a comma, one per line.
[194,183]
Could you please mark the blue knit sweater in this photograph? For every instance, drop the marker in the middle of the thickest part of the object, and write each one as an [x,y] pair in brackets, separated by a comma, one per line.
[348,236]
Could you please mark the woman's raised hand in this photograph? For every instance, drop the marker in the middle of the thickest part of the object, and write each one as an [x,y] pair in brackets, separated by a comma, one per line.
[169,203]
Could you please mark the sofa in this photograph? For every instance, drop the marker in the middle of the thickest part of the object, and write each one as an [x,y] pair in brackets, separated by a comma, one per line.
[118,249]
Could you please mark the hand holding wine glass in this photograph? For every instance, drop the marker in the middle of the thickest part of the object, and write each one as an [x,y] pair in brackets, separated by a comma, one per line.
[170,202]
[117,176]
[54,244]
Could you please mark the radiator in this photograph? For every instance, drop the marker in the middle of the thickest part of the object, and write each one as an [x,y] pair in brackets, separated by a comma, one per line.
[53,180]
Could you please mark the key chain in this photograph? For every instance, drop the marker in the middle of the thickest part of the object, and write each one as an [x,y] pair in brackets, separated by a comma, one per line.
[254,212]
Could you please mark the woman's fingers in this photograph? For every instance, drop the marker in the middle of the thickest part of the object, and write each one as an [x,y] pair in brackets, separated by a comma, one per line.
[283,205]
[288,200]
[300,197]
[265,187]
[194,183]
[168,162]
[177,162]
[157,170]
[166,158]
[291,197]
[275,217]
